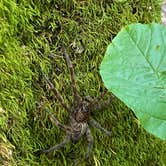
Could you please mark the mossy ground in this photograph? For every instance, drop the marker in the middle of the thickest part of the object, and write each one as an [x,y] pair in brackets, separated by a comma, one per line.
[30,31]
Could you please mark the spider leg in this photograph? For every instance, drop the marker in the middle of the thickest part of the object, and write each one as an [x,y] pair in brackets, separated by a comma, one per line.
[57,123]
[77,97]
[90,142]
[95,103]
[95,124]
[56,93]
[102,105]
[98,98]
[58,146]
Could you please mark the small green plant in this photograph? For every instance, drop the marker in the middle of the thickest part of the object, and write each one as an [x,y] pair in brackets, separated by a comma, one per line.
[134,70]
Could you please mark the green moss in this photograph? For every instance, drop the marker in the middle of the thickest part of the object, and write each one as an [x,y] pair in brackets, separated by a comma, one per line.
[30,30]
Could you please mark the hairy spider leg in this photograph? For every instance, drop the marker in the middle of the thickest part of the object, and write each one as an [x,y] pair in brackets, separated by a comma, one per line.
[56,93]
[104,104]
[90,142]
[57,123]
[61,126]
[102,94]
[58,146]
[98,98]
[77,98]
[95,103]
[95,124]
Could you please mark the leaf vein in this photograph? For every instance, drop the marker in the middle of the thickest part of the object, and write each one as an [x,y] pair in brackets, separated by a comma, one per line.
[142,53]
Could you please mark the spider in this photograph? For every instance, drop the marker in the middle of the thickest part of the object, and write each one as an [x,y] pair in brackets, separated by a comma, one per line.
[79,113]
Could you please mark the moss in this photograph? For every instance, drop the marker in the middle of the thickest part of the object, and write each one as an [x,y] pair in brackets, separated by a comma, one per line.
[30,31]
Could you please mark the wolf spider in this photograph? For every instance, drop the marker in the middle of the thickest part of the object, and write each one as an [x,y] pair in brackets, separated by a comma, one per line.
[79,113]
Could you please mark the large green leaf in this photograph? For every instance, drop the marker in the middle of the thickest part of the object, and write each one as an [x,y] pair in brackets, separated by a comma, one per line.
[134,70]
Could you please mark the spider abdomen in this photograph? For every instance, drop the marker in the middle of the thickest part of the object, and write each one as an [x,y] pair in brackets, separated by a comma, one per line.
[78,129]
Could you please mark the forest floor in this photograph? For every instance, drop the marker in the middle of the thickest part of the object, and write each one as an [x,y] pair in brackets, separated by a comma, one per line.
[32,30]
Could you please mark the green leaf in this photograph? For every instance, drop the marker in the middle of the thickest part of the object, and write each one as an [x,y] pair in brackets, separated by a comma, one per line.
[134,70]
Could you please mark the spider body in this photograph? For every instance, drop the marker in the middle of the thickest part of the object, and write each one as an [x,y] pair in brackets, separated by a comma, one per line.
[78,123]
[82,114]
[78,129]
[79,114]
